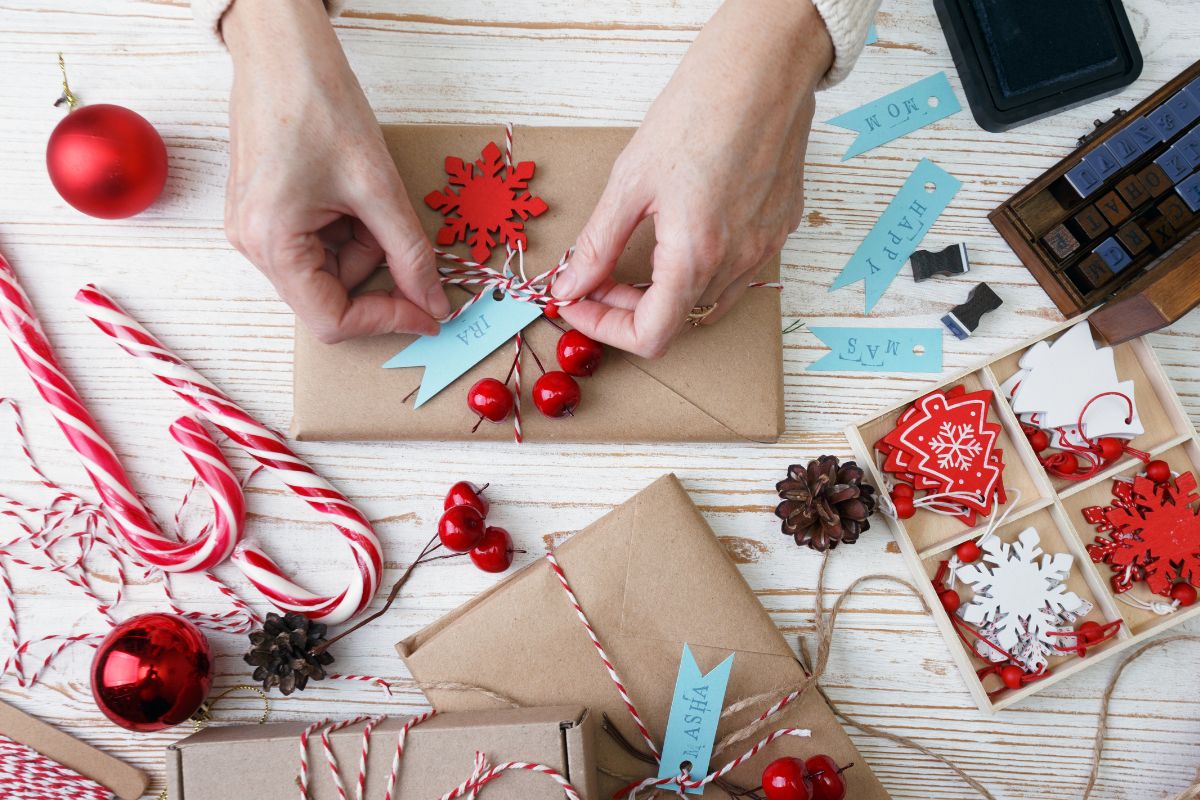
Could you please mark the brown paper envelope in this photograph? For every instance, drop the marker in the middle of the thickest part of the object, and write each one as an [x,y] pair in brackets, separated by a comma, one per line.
[719,383]
[651,576]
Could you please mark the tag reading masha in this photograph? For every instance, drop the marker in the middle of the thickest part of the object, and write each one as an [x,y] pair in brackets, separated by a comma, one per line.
[464,341]
[899,113]
[899,230]
[695,711]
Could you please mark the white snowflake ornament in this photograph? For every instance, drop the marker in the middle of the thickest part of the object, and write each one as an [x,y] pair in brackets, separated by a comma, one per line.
[1020,599]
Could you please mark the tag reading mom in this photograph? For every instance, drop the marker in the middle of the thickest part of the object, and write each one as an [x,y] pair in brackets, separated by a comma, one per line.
[899,113]
[464,341]
[899,230]
[692,725]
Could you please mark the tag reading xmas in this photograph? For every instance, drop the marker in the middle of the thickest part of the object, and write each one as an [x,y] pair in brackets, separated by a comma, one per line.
[899,113]
[899,230]
[879,350]
[464,341]
[695,711]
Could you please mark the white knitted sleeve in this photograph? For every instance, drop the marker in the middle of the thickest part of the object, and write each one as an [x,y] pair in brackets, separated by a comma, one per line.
[208,14]
[847,22]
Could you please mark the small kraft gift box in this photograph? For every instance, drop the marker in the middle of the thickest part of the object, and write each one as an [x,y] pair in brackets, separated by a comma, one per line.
[438,754]
[650,577]
[719,382]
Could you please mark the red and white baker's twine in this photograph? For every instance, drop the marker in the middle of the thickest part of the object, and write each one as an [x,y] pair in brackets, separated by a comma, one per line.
[272,453]
[26,774]
[683,781]
[483,773]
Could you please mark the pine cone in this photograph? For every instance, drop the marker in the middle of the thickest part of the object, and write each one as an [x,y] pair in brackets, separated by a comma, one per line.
[281,653]
[825,503]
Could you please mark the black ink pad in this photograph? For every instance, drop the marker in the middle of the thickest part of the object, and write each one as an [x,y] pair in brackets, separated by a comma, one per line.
[1020,60]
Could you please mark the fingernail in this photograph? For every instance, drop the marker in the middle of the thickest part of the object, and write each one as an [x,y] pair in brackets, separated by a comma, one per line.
[436,302]
[563,285]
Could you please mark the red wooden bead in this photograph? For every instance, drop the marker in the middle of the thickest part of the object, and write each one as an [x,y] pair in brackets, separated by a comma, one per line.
[1090,631]
[968,552]
[1185,593]
[950,600]
[1012,675]
[1110,448]
[551,311]
[1067,466]
[902,490]
[1039,440]
[1158,471]
[904,507]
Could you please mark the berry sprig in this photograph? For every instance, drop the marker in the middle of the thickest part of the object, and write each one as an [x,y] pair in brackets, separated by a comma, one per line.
[817,778]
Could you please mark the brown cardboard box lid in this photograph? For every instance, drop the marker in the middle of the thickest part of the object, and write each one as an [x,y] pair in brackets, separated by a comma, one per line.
[719,383]
[262,761]
[651,576]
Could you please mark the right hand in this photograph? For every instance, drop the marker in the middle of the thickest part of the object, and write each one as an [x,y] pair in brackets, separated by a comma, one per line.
[313,198]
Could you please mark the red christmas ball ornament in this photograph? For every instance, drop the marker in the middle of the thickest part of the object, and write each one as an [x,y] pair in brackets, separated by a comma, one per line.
[465,493]
[1012,676]
[1158,471]
[968,552]
[579,355]
[151,672]
[490,399]
[107,161]
[950,600]
[461,528]
[556,394]
[494,553]
[1110,448]
[1039,440]
[1183,593]
[786,779]
[828,783]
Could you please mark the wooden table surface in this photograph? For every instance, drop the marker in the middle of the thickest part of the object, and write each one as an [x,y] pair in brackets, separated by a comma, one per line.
[551,62]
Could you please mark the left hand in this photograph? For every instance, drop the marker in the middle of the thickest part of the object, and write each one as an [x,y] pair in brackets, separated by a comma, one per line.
[719,163]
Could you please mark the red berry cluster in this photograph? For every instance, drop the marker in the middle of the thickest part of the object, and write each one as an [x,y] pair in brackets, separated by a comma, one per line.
[555,394]
[463,529]
[818,778]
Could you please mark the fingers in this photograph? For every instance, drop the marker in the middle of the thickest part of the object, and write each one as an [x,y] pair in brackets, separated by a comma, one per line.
[386,212]
[602,239]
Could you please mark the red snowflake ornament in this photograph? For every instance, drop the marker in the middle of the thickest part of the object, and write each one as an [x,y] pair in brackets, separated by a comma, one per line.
[490,205]
[1153,533]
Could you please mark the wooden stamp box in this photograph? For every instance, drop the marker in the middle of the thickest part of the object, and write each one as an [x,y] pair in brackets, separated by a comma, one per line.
[1052,505]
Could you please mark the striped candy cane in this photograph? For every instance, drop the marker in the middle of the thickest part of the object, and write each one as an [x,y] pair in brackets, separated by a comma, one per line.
[269,450]
[122,505]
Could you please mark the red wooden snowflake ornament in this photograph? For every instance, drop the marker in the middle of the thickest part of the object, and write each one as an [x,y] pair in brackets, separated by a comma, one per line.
[490,205]
[1153,533]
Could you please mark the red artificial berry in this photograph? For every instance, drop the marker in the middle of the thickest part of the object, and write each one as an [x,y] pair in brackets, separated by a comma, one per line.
[902,490]
[465,493]
[786,779]
[494,553]
[968,552]
[461,528]
[578,354]
[1012,675]
[1184,593]
[490,399]
[1158,471]
[1039,440]
[950,600]
[1090,631]
[827,780]
[556,394]
[904,507]
[1110,448]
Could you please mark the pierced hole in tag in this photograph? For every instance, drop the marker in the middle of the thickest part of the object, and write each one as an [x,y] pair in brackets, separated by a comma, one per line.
[918,349]
[930,187]
[497,294]
[685,766]
[934,101]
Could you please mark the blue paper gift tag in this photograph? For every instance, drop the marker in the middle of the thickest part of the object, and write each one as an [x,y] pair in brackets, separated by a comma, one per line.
[695,711]
[899,230]
[879,350]
[464,341]
[899,113]
[872,34]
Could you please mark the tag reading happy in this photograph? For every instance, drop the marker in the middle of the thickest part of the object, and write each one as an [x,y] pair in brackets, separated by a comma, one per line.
[879,350]
[899,230]
[695,711]
[899,113]
[464,341]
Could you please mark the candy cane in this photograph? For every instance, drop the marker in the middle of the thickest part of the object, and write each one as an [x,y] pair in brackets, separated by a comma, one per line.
[122,505]
[268,449]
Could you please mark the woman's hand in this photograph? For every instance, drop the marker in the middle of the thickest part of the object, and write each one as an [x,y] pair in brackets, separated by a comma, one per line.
[313,198]
[719,163]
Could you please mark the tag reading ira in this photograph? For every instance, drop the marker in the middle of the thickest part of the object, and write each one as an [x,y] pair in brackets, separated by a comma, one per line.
[464,341]
[696,709]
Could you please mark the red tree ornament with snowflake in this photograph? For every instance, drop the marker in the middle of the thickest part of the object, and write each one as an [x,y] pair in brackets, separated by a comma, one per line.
[1153,533]
[489,206]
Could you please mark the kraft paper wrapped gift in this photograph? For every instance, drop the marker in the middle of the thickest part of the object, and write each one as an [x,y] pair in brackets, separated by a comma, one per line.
[718,383]
[650,576]
[263,761]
